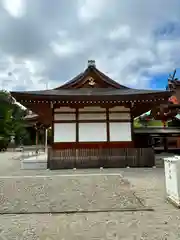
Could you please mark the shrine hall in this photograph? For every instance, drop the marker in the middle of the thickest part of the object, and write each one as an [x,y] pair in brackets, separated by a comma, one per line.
[91,117]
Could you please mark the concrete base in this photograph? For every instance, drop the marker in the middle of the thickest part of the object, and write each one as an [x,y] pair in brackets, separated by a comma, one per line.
[34,162]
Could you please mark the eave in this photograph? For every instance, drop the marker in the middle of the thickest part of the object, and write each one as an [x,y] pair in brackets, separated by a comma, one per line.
[139,103]
[131,95]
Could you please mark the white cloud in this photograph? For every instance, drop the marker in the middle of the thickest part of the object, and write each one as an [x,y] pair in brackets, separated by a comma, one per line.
[53,40]
[15,8]
[123,32]
[66,49]
[90,9]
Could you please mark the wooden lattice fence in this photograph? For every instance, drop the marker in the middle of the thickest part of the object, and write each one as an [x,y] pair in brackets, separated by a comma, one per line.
[95,158]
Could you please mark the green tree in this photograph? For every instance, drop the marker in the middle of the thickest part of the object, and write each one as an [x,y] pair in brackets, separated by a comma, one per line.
[6,103]
[11,120]
[19,125]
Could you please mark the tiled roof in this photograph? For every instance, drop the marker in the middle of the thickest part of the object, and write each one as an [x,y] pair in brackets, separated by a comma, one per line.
[90,70]
[91,92]
[113,90]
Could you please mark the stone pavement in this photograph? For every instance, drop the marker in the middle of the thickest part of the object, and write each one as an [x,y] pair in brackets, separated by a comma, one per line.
[162,223]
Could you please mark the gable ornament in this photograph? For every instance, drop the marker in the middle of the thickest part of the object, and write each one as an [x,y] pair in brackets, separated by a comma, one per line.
[91,81]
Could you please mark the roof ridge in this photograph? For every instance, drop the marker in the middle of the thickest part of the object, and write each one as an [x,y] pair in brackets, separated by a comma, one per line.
[110,79]
[80,76]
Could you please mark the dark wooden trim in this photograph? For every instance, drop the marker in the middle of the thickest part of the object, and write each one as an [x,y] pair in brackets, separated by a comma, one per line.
[82,145]
[92,121]
[83,103]
[107,126]
[132,126]
[65,100]
[52,125]
[77,126]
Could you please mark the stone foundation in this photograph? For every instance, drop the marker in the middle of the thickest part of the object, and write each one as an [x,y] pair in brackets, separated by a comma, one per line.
[34,162]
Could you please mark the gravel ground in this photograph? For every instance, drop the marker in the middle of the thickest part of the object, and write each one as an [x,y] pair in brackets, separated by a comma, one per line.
[66,194]
[162,223]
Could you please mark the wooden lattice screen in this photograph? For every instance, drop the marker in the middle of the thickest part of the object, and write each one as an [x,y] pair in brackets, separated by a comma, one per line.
[95,158]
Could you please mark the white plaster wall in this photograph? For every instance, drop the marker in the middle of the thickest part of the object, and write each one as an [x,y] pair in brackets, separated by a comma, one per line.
[91,109]
[64,132]
[92,116]
[120,131]
[119,108]
[116,116]
[92,132]
[61,116]
[64,109]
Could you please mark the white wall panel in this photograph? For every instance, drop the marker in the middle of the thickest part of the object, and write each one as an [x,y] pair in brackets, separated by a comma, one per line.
[92,116]
[116,116]
[61,116]
[64,109]
[120,131]
[119,108]
[92,109]
[64,132]
[92,132]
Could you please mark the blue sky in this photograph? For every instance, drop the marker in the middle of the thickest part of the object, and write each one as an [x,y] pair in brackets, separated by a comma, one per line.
[135,42]
[160,81]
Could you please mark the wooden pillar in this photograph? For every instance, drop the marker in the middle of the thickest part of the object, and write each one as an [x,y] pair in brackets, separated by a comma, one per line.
[49,151]
[37,137]
[46,138]
[52,123]
[165,143]
[178,142]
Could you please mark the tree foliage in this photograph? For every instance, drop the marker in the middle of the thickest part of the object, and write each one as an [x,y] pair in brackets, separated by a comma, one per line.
[11,119]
